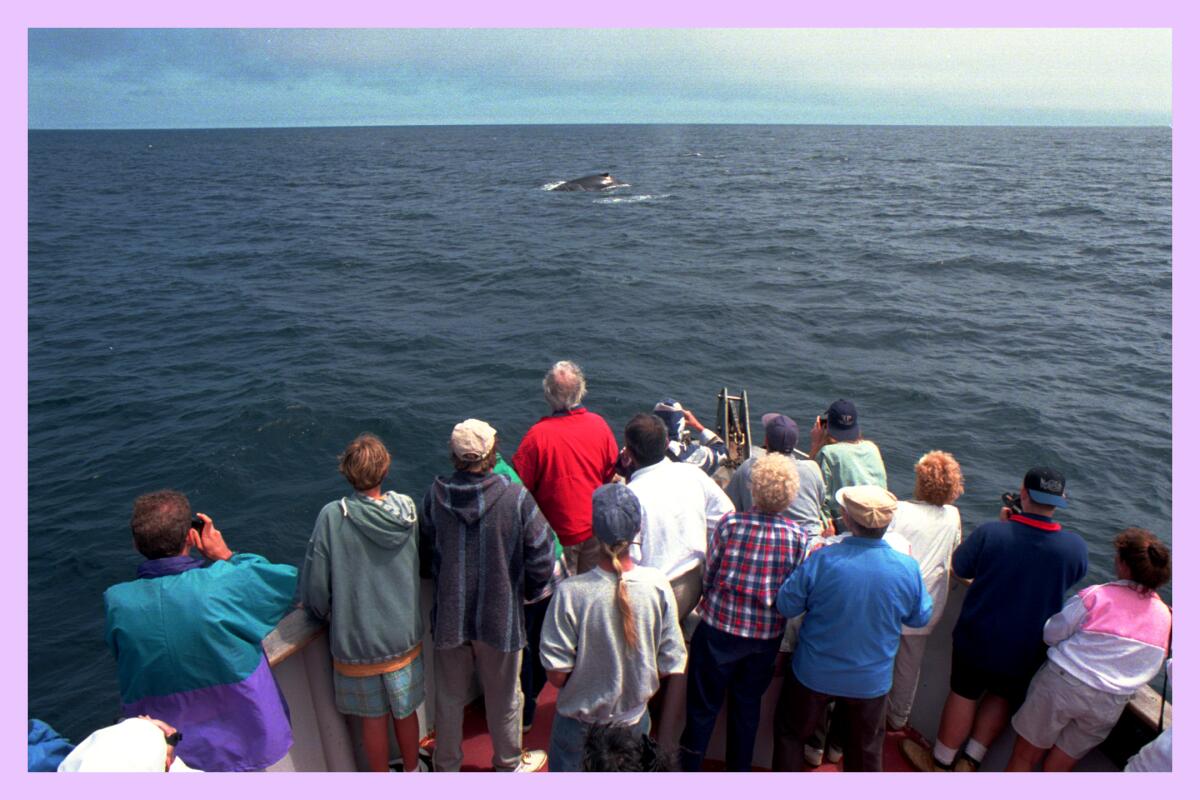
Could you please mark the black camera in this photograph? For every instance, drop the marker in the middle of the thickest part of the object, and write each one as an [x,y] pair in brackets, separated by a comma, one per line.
[1012,501]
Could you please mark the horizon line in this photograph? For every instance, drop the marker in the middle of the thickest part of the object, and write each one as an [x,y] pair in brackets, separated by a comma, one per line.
[1168,125]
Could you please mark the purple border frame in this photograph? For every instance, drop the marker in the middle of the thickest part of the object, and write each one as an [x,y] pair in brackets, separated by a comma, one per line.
[614,13]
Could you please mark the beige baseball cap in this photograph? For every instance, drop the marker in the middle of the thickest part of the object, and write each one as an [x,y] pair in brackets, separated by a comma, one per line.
[869,506]
[472,440]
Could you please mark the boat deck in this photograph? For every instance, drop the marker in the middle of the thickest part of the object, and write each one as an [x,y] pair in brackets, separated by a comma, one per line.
[477,745]
[934,682]
[298,651]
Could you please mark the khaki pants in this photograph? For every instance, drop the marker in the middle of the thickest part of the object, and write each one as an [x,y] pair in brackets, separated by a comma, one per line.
[499,674]
[687,590]
[582,557]
[906,674]
[672,713]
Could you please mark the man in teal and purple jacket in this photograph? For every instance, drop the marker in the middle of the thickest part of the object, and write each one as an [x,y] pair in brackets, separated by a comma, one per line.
[187,635]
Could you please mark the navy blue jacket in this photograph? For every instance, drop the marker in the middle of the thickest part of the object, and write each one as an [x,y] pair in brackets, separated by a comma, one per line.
[1021,570]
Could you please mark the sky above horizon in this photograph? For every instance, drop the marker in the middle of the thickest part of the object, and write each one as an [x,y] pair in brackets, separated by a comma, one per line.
[209,78]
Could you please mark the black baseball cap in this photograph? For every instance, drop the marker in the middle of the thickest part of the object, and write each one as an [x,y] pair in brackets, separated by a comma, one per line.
[1046,486]
[842,420]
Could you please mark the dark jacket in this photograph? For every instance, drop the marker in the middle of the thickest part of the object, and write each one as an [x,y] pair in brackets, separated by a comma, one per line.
[1019,572]
[490,550]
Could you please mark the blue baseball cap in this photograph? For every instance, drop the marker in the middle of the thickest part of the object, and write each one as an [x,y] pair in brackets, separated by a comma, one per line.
[616,514]
[1046,486]
[781,431]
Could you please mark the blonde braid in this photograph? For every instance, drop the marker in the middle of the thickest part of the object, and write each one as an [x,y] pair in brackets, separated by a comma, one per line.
[627,622]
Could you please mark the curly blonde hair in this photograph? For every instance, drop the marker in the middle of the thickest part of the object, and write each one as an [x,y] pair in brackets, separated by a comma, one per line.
[774,482]
[939,478]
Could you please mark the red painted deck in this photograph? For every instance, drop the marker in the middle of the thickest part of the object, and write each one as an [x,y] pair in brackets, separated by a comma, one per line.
[477,745]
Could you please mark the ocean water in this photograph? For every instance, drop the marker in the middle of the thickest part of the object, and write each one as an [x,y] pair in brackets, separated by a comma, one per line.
[221,311]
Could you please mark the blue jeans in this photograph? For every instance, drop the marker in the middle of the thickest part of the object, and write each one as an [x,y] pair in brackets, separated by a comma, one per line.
[566,742]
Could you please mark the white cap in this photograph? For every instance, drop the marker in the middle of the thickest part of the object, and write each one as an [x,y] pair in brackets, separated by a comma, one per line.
[132,745]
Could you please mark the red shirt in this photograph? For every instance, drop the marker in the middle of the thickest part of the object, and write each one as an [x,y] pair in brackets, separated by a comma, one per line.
[561,460]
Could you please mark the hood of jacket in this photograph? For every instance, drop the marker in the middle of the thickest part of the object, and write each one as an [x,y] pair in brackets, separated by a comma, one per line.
[389,524]
[467,495]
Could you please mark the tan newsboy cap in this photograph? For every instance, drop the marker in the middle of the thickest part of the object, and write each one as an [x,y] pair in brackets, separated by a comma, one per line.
[869,506]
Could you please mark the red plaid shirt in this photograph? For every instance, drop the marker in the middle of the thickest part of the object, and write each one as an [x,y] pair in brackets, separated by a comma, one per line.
[750,555]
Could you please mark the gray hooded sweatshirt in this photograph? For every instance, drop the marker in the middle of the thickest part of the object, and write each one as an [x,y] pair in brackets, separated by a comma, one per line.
[361,574]
[491,550]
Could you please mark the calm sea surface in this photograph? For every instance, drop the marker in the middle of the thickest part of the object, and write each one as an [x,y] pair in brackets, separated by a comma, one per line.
[221,311]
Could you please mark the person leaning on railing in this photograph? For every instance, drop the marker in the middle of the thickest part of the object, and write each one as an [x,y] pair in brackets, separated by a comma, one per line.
[708,454]
[1107,642]
[1020,567]
[361,574]
[933,528]
[837,445]
[188,635]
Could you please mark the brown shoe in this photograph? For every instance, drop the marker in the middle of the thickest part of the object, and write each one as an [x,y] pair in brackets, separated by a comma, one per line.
[920,757]
[966,764]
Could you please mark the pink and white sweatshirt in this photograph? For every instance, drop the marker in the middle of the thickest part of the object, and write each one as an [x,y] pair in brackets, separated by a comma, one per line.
[1110,636]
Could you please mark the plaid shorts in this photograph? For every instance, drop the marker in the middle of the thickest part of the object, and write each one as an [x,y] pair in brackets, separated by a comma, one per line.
[400,690]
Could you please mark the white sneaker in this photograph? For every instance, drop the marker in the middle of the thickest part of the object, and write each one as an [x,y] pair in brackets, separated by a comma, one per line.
[533,761]
[812,756]
[834,755]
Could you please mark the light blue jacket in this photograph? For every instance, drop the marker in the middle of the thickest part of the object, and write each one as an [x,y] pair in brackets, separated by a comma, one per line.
[855,595]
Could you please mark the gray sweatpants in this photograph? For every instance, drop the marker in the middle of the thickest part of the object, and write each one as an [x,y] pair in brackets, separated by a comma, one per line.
[500,676]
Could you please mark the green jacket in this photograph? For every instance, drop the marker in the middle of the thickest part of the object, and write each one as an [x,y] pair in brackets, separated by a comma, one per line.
[361,574]
[849,464]
[560,566]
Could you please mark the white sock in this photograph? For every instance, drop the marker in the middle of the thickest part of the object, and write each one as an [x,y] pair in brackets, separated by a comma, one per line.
[943,754]
[975,750]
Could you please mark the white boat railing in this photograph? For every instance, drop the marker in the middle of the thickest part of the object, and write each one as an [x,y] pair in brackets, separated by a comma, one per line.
[323,739]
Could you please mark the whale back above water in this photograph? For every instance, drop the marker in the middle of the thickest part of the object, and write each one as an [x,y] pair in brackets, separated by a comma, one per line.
[590,183]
